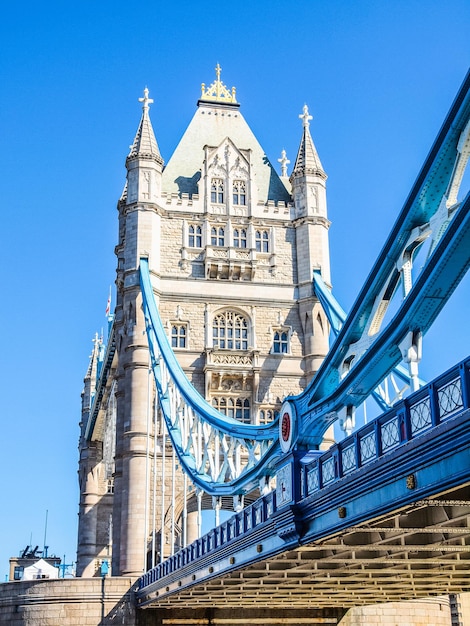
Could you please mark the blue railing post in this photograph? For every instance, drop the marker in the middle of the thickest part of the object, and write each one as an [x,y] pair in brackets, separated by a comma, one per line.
[337,462]
[378,437]
[357,450]
[464,370]
[403,424]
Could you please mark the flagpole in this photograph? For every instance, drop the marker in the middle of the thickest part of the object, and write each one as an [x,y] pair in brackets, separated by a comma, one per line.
[108,313]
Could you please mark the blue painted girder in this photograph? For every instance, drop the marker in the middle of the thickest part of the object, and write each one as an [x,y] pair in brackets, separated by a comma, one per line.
[447,266]
[317,406]
[336,316]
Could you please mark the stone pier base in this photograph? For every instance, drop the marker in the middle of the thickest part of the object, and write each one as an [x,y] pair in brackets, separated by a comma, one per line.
[67,602]
[435,611]
[110,601]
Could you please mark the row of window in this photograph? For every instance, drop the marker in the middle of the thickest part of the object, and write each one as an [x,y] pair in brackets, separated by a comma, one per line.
[240,409]
[218,191]
[230,332]
[218,238]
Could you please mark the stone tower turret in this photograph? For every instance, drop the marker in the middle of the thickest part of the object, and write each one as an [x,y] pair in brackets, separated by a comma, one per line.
[95,502]
[139,235]
[308,180]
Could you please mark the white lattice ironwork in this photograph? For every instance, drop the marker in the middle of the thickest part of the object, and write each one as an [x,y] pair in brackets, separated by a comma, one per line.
[348,458]
[420,415]
[368,448]
[313,482]
[450,398]
[328,468]
[390,434]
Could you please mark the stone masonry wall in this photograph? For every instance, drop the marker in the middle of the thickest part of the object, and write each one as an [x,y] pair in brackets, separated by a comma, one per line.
[109,601]
[423,612]
[68,602]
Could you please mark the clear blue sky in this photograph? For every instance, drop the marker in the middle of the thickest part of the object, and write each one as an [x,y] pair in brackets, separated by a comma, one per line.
[378,76]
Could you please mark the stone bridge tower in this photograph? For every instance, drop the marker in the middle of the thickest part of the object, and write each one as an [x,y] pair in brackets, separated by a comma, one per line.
[231,247]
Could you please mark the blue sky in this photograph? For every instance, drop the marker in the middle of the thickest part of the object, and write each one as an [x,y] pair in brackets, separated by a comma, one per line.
[378,77]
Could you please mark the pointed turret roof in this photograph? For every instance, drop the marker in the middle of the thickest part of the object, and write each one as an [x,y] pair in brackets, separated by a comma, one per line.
[145,144]
[307,160]
[92,366]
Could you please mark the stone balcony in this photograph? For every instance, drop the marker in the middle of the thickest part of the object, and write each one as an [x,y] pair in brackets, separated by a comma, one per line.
[237,360]
[230,263]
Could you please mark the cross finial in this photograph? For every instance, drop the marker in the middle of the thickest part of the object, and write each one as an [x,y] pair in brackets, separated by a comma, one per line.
[305,117]
[284,161]
[146,100]
[218,69]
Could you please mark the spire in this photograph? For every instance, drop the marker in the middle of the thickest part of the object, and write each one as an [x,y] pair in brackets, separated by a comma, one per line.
[284,161]
[307,160]
[92,366]
[217,91]
[145,144]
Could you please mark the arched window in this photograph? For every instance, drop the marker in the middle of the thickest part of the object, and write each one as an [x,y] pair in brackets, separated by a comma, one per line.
[195,236]
[230,331]
[281,342]
[262,240]
[178,335]
[243,410]
[217,191]
[266,415]
[239,238]
[217,236]
[239,192]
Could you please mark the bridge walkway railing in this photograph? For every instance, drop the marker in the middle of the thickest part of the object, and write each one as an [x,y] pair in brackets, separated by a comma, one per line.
[406,420]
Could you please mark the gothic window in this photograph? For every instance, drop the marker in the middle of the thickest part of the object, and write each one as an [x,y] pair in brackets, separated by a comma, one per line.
[238,408]
[239,192]
[281,342]
[230,331]
[217,236]
[239,238]
[262,240]
[195,236]
[179,335]
[217,191]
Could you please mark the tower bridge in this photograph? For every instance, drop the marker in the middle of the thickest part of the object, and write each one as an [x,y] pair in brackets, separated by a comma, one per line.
[219,383]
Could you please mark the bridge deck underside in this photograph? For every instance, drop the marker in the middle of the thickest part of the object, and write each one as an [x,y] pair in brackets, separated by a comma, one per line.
[420,551]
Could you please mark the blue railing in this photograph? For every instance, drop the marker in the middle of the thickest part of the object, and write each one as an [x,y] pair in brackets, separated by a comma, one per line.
[444,398]
[237,526]
[408,419]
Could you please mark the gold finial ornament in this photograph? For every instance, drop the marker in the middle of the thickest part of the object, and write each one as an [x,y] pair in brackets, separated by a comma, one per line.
[217,91]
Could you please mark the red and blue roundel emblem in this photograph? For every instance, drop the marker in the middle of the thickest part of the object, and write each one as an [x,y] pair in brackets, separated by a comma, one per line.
[286,426]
